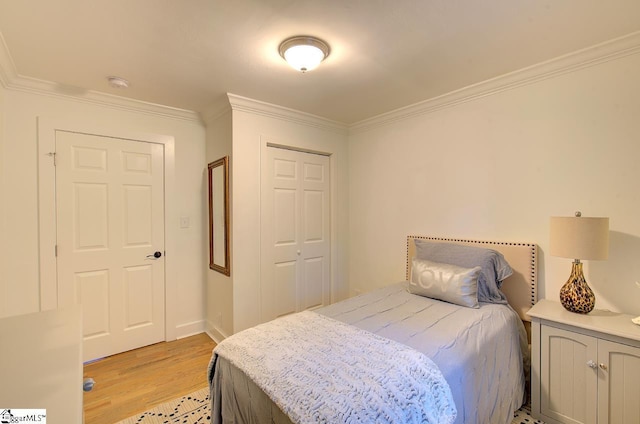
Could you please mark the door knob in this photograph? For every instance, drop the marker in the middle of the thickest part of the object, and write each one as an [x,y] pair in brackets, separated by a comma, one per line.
[592,364]
[155,255]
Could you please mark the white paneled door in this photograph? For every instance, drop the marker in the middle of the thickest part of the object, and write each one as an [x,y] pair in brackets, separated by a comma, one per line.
[295,212]
[110,239]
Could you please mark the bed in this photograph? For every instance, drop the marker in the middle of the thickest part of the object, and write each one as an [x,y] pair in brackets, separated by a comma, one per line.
[353,361]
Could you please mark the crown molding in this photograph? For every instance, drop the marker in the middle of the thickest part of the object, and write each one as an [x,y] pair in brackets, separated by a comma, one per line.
[591,56]
[239,103]
[46,88]
[12,80]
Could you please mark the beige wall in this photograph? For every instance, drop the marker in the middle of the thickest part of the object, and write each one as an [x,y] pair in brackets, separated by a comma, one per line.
[19,204]
[219,290]
[253,124]
[497,167]
[4,300]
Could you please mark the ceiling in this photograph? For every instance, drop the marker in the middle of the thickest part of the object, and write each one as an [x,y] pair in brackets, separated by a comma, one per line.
[385,54]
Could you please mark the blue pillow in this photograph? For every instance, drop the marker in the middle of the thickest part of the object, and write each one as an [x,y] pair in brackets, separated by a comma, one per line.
[494,268]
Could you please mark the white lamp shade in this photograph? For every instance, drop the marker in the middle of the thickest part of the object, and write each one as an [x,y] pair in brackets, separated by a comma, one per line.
[579,237]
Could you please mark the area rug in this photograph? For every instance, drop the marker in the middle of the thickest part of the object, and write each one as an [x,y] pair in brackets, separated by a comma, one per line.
[195,408]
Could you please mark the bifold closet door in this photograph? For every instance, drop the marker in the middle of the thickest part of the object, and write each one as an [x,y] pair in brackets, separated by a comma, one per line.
[295,234]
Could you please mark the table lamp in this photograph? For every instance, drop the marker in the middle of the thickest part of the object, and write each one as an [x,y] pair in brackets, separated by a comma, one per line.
[578,238]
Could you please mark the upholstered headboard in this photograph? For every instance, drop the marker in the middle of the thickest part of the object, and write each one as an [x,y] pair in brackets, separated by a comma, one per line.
[521,287]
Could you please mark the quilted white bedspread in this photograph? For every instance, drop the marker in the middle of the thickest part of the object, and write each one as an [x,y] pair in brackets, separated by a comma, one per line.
[317,369]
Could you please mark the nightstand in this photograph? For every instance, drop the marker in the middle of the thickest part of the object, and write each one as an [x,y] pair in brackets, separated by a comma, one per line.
[584,368]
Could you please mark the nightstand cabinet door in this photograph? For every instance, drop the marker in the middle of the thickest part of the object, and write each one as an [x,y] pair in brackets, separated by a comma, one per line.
[568,376]
[619,383]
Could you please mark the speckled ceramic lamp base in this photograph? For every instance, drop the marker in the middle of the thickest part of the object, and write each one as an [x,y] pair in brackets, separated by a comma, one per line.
[576,295]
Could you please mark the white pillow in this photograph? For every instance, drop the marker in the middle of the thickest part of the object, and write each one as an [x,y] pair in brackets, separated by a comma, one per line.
[447,282]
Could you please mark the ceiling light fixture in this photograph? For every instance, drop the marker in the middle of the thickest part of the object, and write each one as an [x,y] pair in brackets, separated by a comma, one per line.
[117,82]
[304,53]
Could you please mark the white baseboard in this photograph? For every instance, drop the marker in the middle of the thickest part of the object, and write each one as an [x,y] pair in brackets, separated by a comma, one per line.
[215,333]
[190,329]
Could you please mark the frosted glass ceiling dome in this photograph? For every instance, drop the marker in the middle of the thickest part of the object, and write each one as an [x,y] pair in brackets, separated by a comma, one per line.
[304,53]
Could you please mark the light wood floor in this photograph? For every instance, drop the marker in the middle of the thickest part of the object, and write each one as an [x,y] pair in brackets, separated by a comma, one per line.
[134,381]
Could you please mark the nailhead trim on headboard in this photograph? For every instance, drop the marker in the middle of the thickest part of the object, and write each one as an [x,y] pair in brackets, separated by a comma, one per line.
[533,269]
